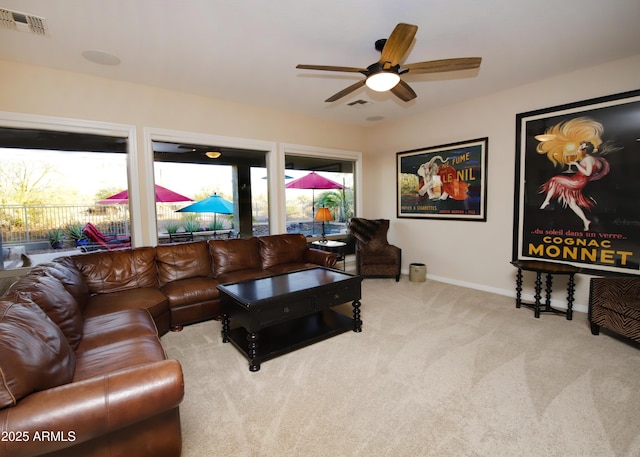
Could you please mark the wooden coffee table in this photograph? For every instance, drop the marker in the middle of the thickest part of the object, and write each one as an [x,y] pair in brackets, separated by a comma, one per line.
[279,314]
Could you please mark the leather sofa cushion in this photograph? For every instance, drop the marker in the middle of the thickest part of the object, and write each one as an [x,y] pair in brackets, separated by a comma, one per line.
[113,271]
[182,261]
[34,354]
[119,326]
[233,255]
[281,249]
[151,299]
[65,271]
[190,291]
[118,355]
[57,303]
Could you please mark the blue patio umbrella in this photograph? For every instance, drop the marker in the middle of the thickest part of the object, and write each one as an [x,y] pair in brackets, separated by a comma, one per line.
[214,204]
[285,177]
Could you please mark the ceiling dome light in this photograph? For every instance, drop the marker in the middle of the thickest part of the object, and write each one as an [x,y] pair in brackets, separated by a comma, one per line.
[213,154]
[382,81]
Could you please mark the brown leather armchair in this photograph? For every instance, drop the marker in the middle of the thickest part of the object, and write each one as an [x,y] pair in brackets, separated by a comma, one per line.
[375,257]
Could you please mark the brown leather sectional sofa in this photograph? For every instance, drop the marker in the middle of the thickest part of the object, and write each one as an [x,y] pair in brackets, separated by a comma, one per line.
[82,368]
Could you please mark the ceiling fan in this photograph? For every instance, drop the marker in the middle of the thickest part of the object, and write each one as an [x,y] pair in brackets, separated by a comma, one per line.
[385,74]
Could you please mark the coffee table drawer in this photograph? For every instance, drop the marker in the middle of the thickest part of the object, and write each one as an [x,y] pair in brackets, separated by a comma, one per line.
[280,312]
[336,297]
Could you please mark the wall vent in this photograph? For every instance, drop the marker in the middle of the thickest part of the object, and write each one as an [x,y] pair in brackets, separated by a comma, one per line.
[358,102]
[22,22]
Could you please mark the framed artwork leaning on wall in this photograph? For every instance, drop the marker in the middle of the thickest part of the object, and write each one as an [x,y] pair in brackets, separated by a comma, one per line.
[443,182]
[577,185]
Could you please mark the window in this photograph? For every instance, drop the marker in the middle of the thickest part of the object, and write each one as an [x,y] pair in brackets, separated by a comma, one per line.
[200,172]
[51,185]
[315,182]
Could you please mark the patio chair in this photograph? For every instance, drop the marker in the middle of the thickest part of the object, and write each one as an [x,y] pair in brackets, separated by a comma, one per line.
[101,241]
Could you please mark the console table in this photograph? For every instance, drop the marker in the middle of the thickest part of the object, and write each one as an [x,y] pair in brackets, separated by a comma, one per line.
[278,314]
[549,269]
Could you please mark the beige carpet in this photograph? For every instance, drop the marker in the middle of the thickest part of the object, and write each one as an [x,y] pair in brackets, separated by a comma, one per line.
[438,370]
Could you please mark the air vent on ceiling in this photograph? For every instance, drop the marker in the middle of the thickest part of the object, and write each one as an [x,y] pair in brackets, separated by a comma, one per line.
[22,22]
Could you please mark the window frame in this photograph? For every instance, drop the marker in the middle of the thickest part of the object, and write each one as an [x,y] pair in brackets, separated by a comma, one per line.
[152,134]
[321,153]
[71,125]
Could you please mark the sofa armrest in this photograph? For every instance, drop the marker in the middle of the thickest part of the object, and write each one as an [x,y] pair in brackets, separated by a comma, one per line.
[394,251]
[82,411]
[320,257]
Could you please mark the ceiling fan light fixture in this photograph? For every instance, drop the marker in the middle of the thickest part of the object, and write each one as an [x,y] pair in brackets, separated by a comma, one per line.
[384,75]
[382,81]
[213,154]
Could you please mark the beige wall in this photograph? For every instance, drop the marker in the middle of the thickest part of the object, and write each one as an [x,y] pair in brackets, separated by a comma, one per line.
[477,254]
[36,90]
[39,91]
[474,254]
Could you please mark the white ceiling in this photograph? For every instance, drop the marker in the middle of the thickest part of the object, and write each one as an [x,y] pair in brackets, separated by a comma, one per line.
[246,51]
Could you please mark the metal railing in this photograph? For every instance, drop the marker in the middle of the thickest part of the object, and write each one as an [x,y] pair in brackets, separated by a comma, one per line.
[21,224]
[32,223]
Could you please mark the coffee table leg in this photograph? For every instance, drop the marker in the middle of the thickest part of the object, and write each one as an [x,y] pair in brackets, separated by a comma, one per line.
[225,328]
[357,323]
[252,338]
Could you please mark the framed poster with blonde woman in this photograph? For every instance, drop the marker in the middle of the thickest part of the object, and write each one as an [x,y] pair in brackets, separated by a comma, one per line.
[577,186]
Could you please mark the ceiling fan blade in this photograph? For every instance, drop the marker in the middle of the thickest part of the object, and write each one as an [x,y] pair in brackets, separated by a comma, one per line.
[398,43]
[331,68]
[346,91]
[403,91]
[438,66]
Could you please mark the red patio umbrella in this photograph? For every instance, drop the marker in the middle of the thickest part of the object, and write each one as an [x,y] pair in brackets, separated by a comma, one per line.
[313,181]
[163,195]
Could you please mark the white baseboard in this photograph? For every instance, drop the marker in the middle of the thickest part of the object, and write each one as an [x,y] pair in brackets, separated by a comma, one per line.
[560,304]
